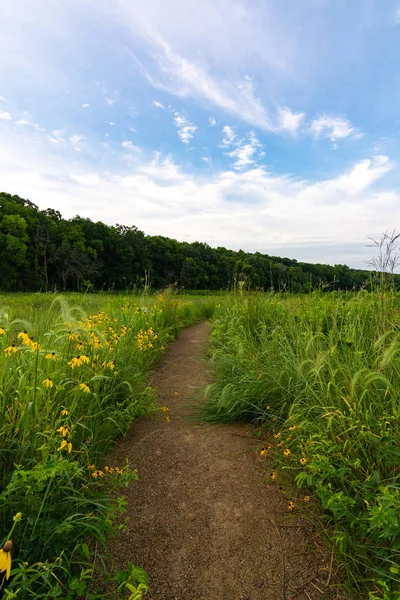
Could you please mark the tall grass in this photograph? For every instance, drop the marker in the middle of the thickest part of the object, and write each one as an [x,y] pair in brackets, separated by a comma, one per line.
[73,376]
[323,371]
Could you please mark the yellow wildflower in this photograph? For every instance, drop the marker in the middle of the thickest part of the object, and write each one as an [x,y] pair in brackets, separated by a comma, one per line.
[34,345]
[306,498]
[273,475]
[66,444]
[277,435]
[73,337]
[10,350]
[64,430]
[5,558]
[51,356]
[85,359]
[24,337]
[287,452]
[91,467]
[96,474]
[168,420]
[291,505]
[65,412]
[75,362]
[84,387]
[165,409]
[293,427]
[264,452]
[48,382]
[303,461]
[17,517]
[2,331]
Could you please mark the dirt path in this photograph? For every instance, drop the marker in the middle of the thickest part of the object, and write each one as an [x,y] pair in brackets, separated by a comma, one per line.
[205,522]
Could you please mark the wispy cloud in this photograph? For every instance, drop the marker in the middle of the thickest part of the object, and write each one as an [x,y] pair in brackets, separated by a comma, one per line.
[75,139]
[86,105]
[182,77]
[212,121]
[186,129]
[110,102]
[331,127]
[130,146]
[246,152]
[29,124]
[158,104]
[288,120]
[229,136]
[2,99]
[5,115]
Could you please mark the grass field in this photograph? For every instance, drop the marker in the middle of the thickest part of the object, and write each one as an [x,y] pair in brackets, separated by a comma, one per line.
[73,376]
[322,371]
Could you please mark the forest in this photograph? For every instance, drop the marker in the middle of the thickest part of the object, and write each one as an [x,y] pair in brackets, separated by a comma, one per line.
[42,251]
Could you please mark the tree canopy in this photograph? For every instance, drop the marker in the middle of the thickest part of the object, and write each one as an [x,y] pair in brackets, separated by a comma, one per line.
[39,250]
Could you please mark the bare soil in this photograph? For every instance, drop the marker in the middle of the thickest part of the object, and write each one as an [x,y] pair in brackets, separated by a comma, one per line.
[206,522]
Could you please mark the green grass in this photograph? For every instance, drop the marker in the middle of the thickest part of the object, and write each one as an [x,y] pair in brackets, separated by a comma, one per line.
[323,372]
[74,374]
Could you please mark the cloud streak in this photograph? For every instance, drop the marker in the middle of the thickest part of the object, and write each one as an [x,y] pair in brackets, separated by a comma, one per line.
[186,129]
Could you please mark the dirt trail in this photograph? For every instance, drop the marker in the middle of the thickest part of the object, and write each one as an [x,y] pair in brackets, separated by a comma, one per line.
[205,521]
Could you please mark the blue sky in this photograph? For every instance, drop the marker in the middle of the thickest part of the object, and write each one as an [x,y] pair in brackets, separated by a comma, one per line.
[255,124]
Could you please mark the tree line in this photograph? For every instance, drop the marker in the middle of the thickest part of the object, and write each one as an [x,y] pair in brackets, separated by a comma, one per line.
[42,251]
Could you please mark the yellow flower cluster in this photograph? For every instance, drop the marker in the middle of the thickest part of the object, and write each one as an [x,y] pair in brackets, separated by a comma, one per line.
[100,473]
[145,338]
[28,341]
[65,432]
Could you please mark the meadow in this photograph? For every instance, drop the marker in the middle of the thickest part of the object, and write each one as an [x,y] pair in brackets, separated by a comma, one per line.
[319,375]
[74,374]
[322,373]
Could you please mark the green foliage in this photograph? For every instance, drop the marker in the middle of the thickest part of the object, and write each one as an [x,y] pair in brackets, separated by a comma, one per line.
[73,377]
[39,250]
[323,372]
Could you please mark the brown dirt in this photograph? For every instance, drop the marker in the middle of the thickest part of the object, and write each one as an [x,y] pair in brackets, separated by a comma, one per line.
[205,521]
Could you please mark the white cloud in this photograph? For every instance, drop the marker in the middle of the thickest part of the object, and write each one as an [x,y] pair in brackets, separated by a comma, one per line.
[75,139]
[245,153]
[331,127]
[158,104]
[111,123]
[212,121]
[288,120]
[235,208]
[110,102]
[186,129]
[184,78]
[86,105]
[2,98]
[5,115]
[29,124]
[88,179]
[229,136]
[207,160]
[129,146]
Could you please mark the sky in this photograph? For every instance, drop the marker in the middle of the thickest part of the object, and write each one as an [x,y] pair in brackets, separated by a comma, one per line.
[266,125]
